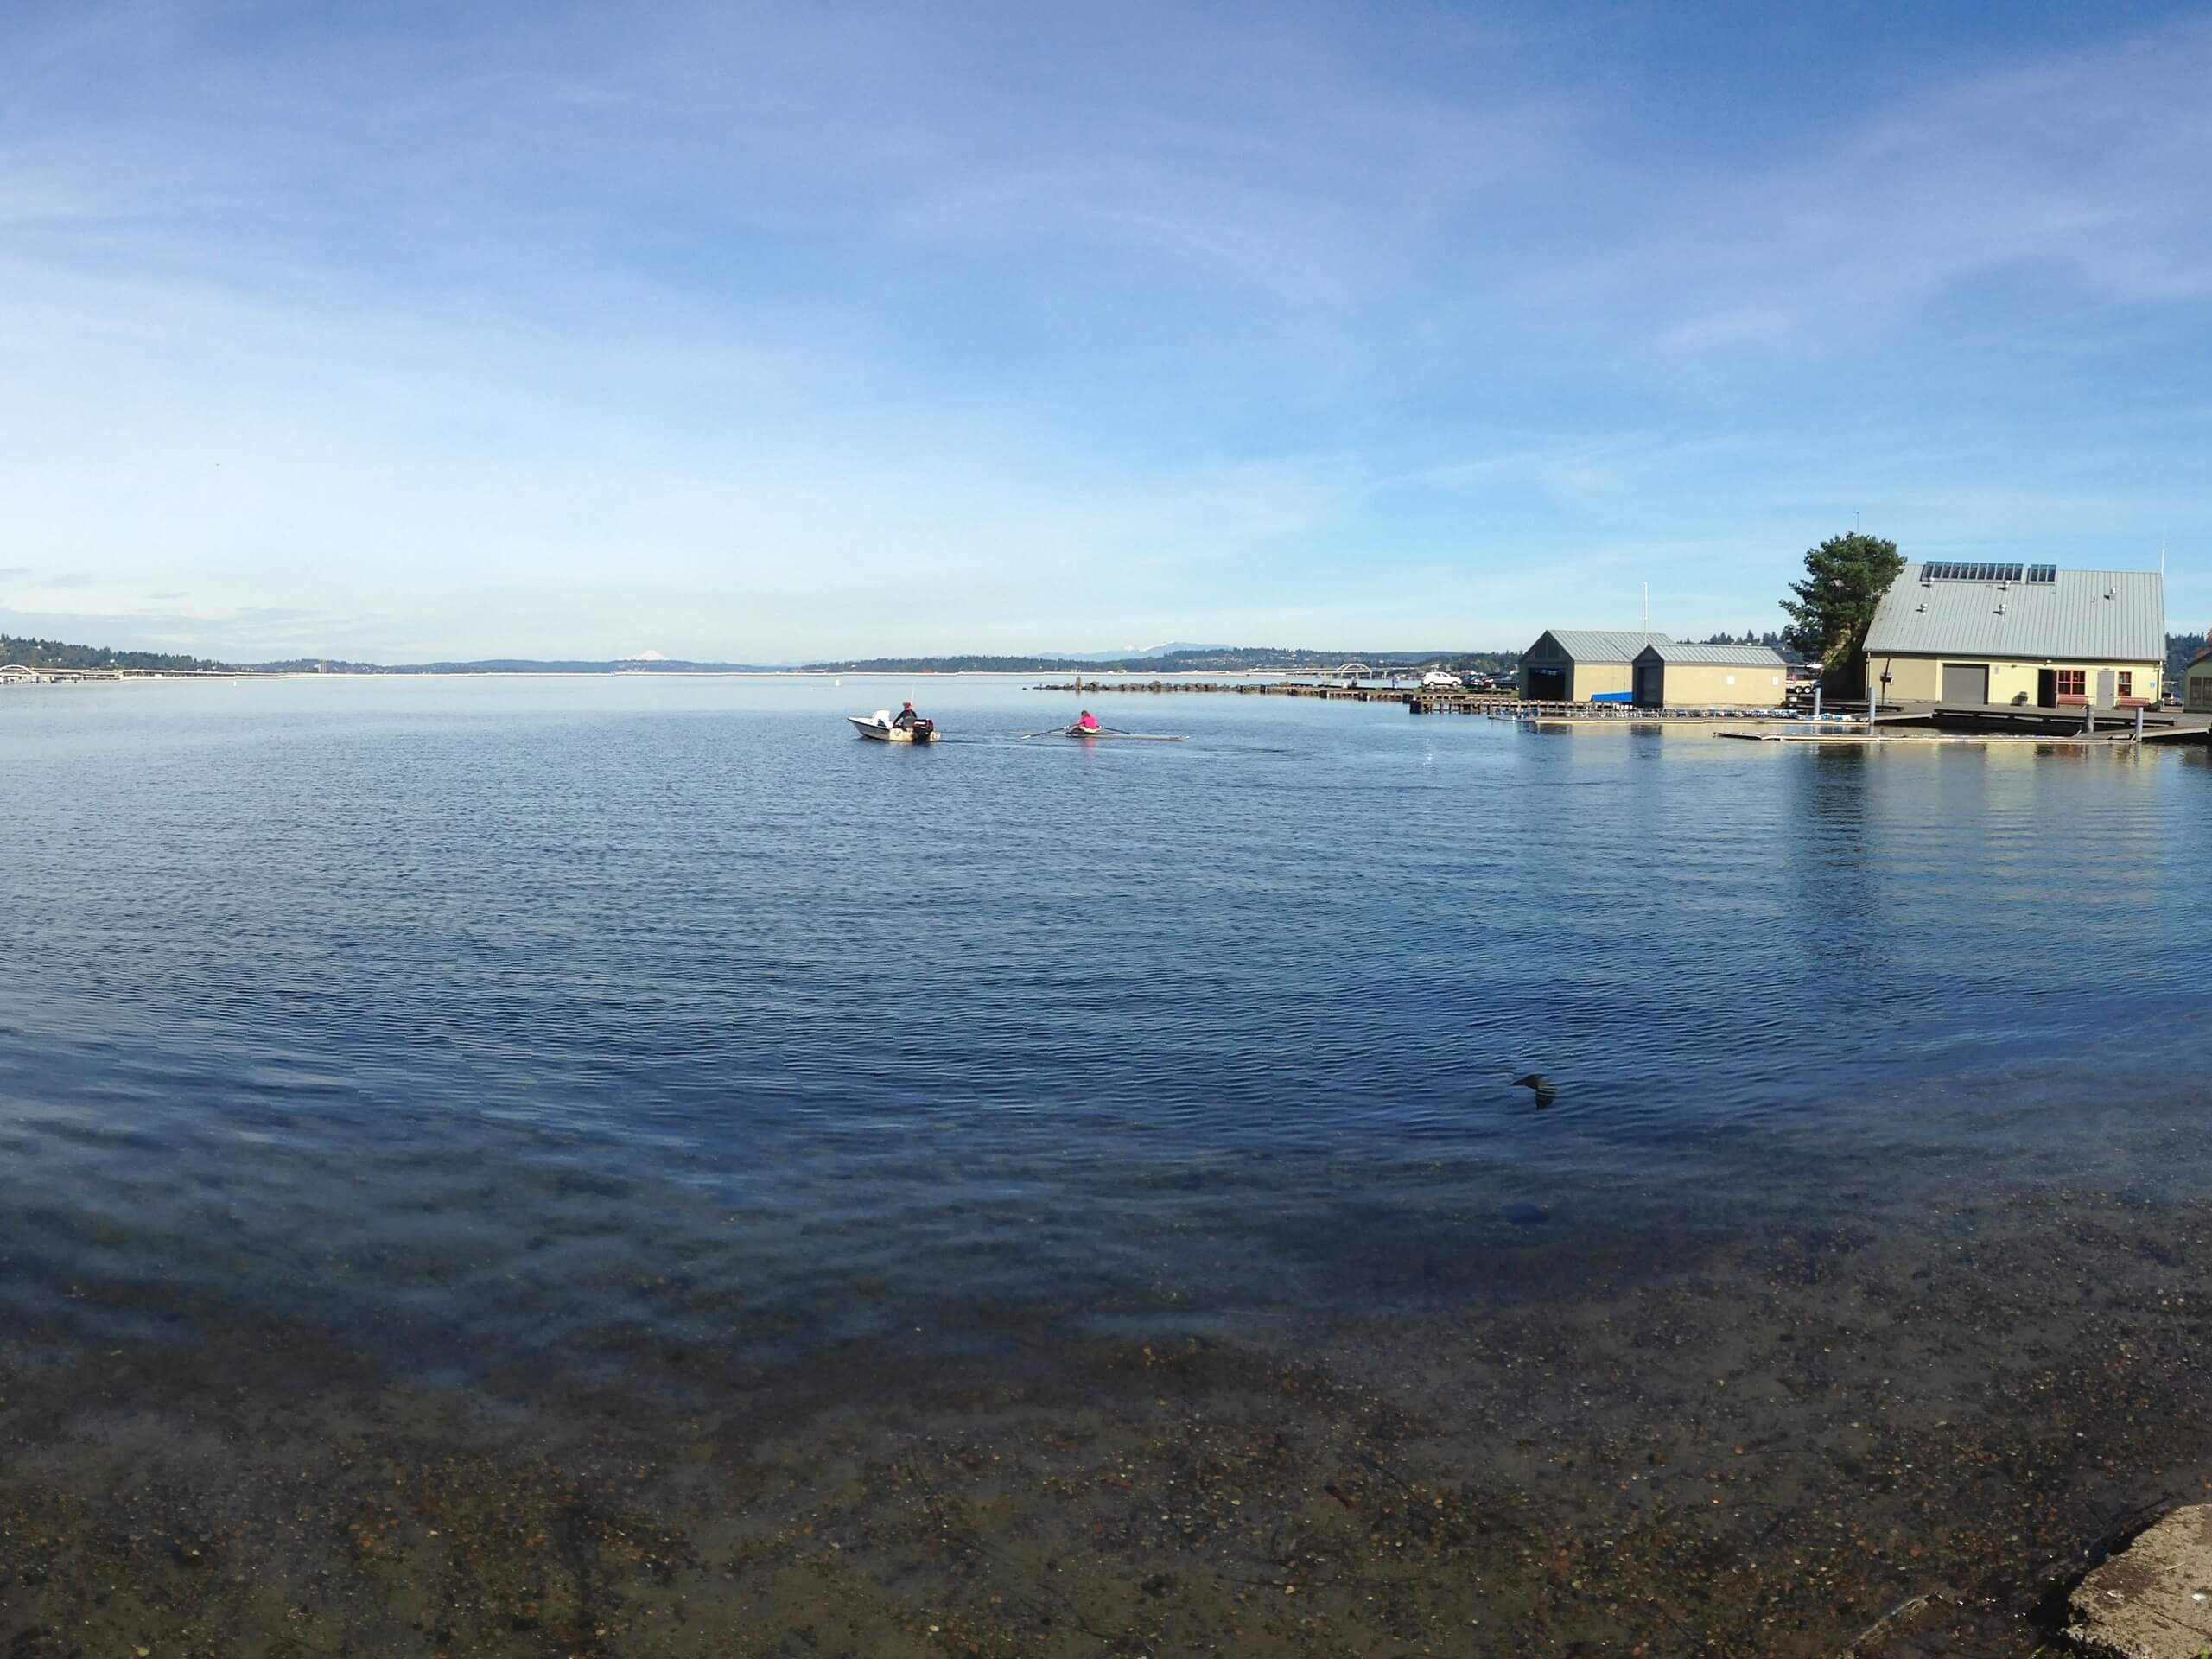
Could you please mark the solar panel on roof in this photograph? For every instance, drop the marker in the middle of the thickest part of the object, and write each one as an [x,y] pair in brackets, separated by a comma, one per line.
[1953,570]
[2043,573]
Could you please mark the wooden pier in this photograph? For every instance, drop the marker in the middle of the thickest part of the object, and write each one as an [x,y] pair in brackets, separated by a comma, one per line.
[1845,722]
[1627,714]
[2102,724]
[1991,724]
[1413,699]
[17,674]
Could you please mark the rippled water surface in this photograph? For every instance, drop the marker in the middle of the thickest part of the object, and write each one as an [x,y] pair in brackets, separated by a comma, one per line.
[537,1026]
[390,977]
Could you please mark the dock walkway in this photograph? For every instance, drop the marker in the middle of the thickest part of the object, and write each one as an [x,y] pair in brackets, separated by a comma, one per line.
[1552,714]
[1413,699]
[1793,723]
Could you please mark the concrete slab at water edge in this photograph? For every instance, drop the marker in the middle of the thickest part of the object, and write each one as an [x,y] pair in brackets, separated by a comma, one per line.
[2153,1600]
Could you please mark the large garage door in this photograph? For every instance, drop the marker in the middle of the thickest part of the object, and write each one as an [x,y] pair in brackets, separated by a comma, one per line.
[1547,684]
[1650,685]
[1966,682]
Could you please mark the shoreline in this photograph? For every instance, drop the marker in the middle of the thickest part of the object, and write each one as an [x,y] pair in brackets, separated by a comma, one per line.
[1730,1441]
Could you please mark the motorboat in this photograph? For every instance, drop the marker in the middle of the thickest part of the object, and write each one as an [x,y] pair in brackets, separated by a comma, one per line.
[879,727]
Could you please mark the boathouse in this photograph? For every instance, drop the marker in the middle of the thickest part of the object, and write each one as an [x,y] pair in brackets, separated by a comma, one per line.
[1577,664]
[1670,675]
[2197,683]
[2033,634]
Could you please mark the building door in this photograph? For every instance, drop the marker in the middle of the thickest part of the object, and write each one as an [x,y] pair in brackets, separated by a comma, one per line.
[2046,688]
[1966,682]
[2104,688]
[1650,685]
[1547,683]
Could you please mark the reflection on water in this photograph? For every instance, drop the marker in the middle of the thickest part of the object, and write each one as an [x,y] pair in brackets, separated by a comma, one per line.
[533,1037]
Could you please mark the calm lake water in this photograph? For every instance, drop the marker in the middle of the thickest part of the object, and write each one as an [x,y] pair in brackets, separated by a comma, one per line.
[530,1038]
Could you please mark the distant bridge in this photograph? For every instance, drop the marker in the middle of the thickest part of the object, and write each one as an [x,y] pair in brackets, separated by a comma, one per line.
[1347,671]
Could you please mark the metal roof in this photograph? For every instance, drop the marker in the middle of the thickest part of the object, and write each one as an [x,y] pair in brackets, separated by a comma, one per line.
[1597,645]
[1675,653]
[2088,616]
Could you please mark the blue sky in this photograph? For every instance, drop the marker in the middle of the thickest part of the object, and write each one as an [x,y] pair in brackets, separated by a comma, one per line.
[411,330]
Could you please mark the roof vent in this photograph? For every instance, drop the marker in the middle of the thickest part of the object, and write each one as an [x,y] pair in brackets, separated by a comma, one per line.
[2000,607]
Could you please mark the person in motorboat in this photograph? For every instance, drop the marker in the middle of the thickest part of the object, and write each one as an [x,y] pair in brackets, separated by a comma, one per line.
[1087,723]
[906,718]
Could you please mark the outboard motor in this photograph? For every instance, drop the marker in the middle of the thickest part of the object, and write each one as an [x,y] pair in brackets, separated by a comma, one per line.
[924,731]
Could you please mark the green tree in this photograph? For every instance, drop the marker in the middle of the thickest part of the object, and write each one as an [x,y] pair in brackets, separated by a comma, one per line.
[1844,579]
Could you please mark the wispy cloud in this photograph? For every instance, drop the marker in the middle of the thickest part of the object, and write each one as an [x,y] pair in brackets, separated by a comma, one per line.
[462,330]
[2071,184]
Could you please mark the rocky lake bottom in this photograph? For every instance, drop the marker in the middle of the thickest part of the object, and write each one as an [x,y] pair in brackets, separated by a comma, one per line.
[1661,1441]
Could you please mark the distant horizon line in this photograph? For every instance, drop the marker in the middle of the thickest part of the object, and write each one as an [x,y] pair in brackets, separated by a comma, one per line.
[1014,661]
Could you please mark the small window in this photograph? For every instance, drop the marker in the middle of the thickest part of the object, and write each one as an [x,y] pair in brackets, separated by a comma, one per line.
[2126,683]
[2073,682]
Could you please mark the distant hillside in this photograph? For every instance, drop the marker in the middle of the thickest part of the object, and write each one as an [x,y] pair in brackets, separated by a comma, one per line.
[53,653]
[1772,640]
[2181,650]
[506,665]
[1157,659]
[1150,653]
[1198,659]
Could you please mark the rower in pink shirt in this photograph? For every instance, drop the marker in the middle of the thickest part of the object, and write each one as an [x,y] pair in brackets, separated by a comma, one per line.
[1088,723]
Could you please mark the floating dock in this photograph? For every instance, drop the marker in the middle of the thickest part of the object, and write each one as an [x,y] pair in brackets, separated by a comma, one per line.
[1973,723]
[1840,723]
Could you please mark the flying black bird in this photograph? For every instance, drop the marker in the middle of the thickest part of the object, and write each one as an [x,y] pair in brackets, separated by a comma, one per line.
[1545,1090]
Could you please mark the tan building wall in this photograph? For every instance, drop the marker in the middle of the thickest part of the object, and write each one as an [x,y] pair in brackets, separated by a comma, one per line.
[1735,685]
[1583,680]
[1593,679]
[2197,688]
[1920,679]
[1912,679]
